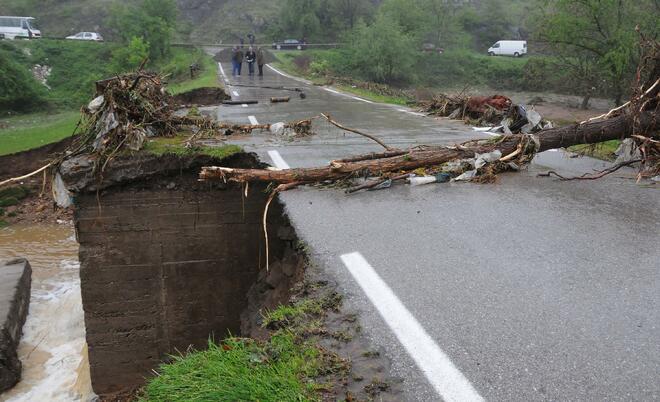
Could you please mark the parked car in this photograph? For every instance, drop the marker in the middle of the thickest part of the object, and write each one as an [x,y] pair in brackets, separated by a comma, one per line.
[19,28]
[432,48]
[86,36]
[515,48]
[290,44]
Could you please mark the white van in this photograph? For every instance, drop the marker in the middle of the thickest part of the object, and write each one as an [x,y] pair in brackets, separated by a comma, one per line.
[515,48]
[19,28]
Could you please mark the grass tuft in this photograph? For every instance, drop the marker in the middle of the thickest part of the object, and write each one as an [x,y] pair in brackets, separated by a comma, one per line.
[175,146]
[239,370]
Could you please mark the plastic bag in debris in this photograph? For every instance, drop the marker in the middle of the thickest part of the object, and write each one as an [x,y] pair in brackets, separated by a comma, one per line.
[442,177]
[419,181]
[61,194]
[627,151]
[95,104]
[467,176]
[135,139]
[277,128]
[533,117]
[107,123]
[480,160]
[386,184]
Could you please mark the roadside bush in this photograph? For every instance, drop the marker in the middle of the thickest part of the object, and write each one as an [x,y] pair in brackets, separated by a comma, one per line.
[128,58]
[382,52]
[19,91]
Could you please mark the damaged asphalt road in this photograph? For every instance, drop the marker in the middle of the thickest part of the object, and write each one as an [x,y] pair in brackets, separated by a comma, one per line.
[530,289]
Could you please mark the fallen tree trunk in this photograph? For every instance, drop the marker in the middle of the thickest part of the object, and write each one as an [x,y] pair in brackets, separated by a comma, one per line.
[622,126]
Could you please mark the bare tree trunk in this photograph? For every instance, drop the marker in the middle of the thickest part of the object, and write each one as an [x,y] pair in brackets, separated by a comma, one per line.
[586,133]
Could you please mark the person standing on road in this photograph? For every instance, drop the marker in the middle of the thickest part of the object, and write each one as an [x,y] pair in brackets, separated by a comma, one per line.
[237,61]
[261,60]
[250,57]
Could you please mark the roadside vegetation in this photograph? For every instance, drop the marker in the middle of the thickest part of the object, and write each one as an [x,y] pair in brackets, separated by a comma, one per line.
[289,365]
[49,80]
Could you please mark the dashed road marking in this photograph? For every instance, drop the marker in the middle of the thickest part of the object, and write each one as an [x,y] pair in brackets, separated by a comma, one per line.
[332,90]
[235,93]
[253,120]
[436,366]
[222,71]
[279,162]
[412,113]
[244,104]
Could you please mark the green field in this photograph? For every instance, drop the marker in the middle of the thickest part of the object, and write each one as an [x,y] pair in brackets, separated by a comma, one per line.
[75,68]
[34,130]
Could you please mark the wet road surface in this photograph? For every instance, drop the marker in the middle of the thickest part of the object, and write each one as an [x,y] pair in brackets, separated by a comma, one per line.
[529,289]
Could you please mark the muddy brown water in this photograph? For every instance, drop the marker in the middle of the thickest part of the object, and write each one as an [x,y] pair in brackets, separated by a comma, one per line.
[53,349]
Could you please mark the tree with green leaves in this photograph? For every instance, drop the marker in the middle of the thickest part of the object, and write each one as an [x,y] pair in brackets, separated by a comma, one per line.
[154,21]
[597,38]
[299,18]
[346,13]
[129,57]
[382,51]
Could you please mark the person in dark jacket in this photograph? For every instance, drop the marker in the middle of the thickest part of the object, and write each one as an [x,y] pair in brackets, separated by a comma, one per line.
[250,57]
[261,60]
[237,61]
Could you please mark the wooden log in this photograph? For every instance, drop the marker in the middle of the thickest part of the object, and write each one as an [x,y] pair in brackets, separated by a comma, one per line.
[588,133]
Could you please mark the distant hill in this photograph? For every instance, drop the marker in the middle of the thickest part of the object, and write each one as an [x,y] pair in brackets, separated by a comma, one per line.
[201,20]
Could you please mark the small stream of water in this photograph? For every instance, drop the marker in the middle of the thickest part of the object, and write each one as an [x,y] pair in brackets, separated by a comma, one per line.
[53,348]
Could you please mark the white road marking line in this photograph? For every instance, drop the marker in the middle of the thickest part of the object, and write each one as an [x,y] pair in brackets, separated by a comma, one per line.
[253,120]
[244,104]
[334,91]
[235,93]
[279,162]
[287,75]
[360,99]
[441,373]
[222,71]
[411,112]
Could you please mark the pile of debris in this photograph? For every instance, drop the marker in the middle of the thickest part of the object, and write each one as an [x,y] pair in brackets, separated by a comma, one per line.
[496,113]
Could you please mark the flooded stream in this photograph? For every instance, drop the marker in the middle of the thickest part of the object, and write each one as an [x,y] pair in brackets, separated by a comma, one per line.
[53,348]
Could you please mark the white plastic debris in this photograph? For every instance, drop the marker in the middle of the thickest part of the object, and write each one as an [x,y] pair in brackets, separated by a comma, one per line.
[95,104]
[627,151]
[61,194]
[277,128]
[482,159]
[533,117]
[467,176]
[107,123]
[419,181]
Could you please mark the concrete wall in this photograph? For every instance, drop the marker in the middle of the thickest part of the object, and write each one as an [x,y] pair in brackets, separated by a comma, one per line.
[163,269]
[15,285]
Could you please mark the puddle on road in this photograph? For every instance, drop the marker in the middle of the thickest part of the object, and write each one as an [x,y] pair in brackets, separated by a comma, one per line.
[53,348]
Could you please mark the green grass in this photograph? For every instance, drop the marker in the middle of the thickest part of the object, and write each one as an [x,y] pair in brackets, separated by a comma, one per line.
[604,150]
[175,146]
[35,130]
[239,370]
[75,68]
[289,366]
[208,77]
